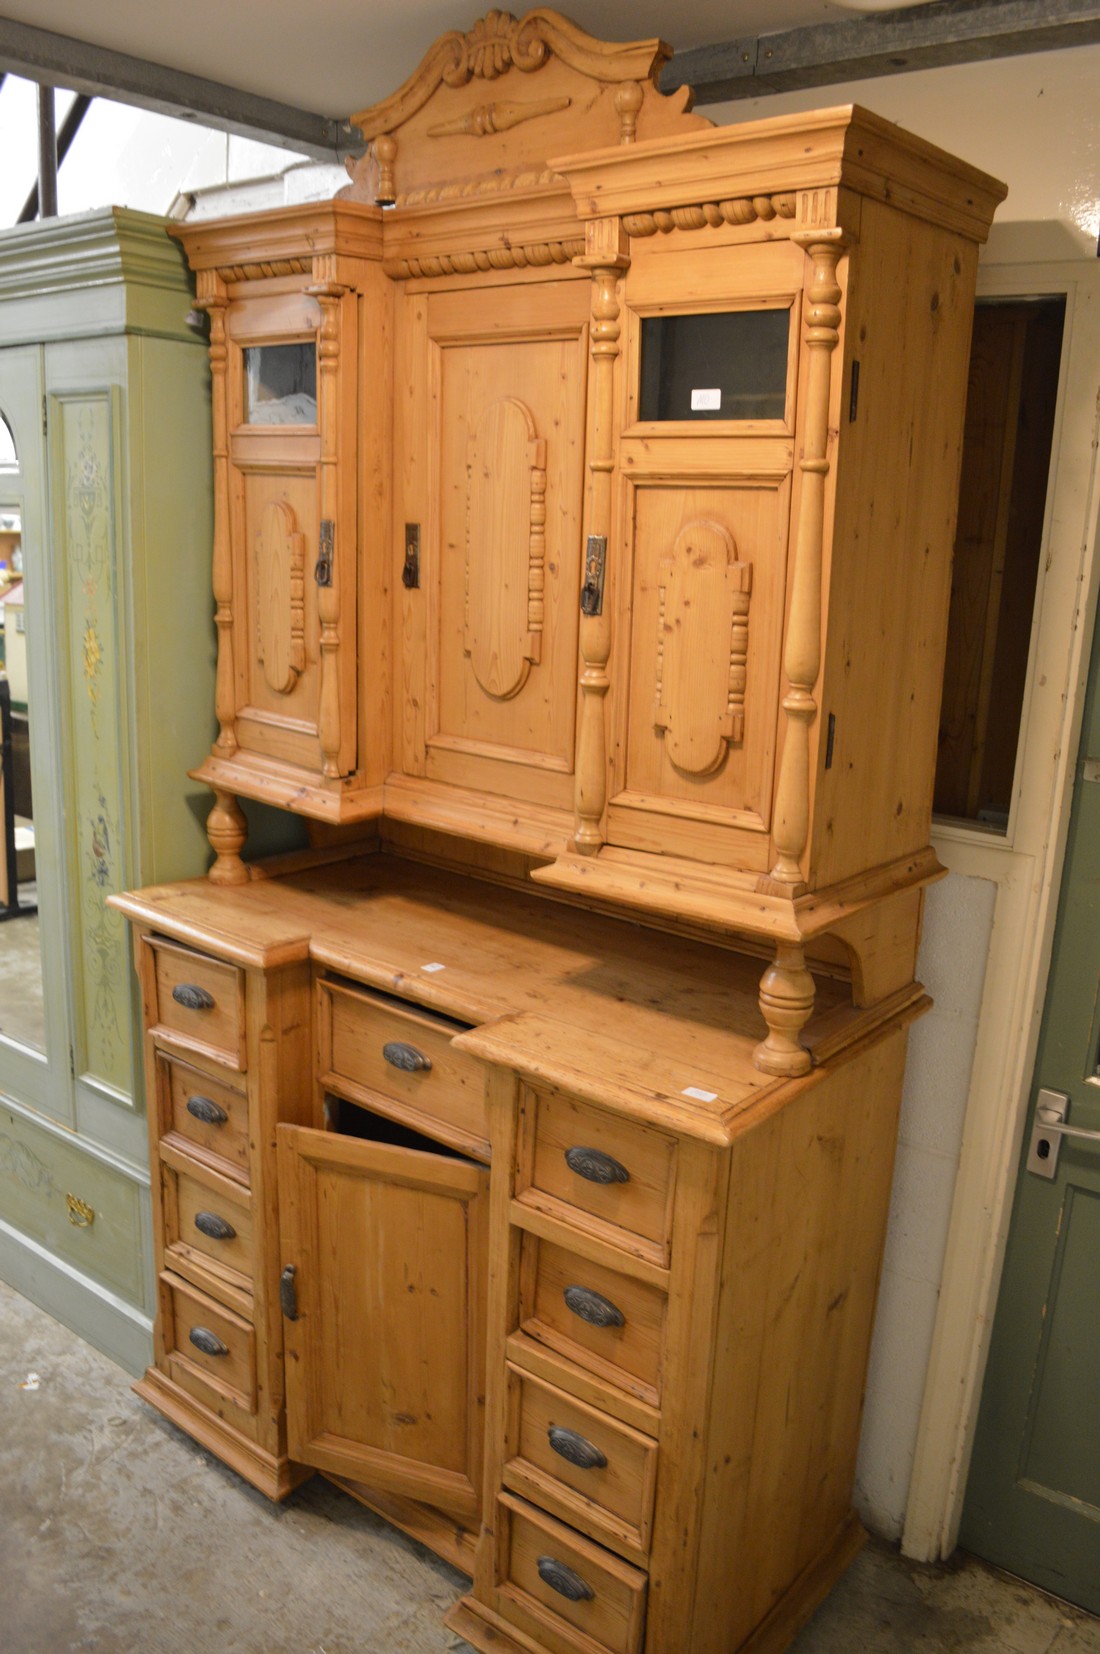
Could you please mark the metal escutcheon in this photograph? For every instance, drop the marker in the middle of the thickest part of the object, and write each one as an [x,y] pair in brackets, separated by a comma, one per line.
[207,1110]
[288,1292]
[563,1580]
[592,1307]
[208,1342]
[209,1223]
[596,1166]
[569,1444]
[406,1057]
[192,997]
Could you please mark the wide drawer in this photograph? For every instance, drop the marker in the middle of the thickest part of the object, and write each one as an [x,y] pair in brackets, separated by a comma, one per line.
[197,999]
[602,1318]
[400,1059]
[207,1224]
[203,1339]
[552,1580]
[597,1169]
[205,1113]
[590,1469]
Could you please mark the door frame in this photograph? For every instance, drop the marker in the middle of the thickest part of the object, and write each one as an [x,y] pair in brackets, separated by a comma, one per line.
[1026,866]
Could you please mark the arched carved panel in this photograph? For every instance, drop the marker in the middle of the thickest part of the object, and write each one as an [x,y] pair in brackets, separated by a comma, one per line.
[280,602]
[505,546]
[702,647]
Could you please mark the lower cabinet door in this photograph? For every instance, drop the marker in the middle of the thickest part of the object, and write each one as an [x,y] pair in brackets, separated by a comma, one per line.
[383,1293]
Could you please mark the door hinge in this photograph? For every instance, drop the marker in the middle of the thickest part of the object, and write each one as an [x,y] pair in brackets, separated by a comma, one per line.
[853,394]
[410,573]
[44,427]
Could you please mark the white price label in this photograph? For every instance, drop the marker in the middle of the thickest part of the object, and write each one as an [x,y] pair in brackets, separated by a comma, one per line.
[706,401]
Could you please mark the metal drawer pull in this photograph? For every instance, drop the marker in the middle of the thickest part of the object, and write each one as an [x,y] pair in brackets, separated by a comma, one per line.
[288,1292]
[208,1342]
[209,1223]
[406,1057]
[563,1580]
[569,1444]
[593,1308]
[207,1110]
[596,1166]
[192,997]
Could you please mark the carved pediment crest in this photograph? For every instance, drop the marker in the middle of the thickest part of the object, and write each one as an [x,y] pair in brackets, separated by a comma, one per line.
[594,92]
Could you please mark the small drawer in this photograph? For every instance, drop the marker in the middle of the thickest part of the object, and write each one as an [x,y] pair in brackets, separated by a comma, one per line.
[209,1342]
[400,1059]
[211,1116]
[605,1320]
[553,1578]
[580,1463]
[207,1224]
[598,1166]
[198,1000]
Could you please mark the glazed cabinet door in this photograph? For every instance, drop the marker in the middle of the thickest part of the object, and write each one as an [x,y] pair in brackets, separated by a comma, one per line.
[491,439]
[706,465]
[383,1290]
[290,452]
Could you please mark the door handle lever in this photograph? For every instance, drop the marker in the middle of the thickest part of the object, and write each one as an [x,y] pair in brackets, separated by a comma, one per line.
[1047,1131]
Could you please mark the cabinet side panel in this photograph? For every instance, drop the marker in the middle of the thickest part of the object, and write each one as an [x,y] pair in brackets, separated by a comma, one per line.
[809,1194]
[890,570]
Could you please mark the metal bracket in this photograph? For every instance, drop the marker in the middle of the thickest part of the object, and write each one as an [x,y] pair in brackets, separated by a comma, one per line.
[410,574]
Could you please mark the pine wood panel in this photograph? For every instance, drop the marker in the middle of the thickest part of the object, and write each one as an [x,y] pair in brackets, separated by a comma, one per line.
[495,435]
[386,1360]
[809,1192]
[888,594]
[709,574]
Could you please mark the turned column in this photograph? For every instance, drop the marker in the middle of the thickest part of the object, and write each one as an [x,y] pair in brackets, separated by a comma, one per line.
[226,827]
[329,295]
[787,989]
[605,257]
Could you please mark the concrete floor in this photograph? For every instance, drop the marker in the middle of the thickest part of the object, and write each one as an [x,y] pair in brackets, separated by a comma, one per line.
[119,1536]
[22,1009]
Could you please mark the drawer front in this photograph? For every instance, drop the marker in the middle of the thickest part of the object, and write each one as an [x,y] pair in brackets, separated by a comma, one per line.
[373,1050]
[588,1468]
[207,1223]
[208,1341]
[204,1112]
[599,1317]
[198,999]
[555,1577]
[601,1166]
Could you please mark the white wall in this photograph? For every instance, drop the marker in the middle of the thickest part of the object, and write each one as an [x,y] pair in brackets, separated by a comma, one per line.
[1034,122]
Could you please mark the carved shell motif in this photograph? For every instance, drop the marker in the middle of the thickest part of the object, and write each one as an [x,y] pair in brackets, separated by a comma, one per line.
[280,584]
[505,546]
[702,647]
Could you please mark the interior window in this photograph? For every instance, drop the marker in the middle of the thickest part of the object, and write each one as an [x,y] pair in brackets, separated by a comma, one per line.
[1002,499]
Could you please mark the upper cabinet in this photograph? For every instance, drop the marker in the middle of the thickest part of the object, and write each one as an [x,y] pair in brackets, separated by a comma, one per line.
[299,345]
[657,520]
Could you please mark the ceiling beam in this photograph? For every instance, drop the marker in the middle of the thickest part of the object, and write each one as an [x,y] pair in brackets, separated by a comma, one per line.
[54,59]
[884,43]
